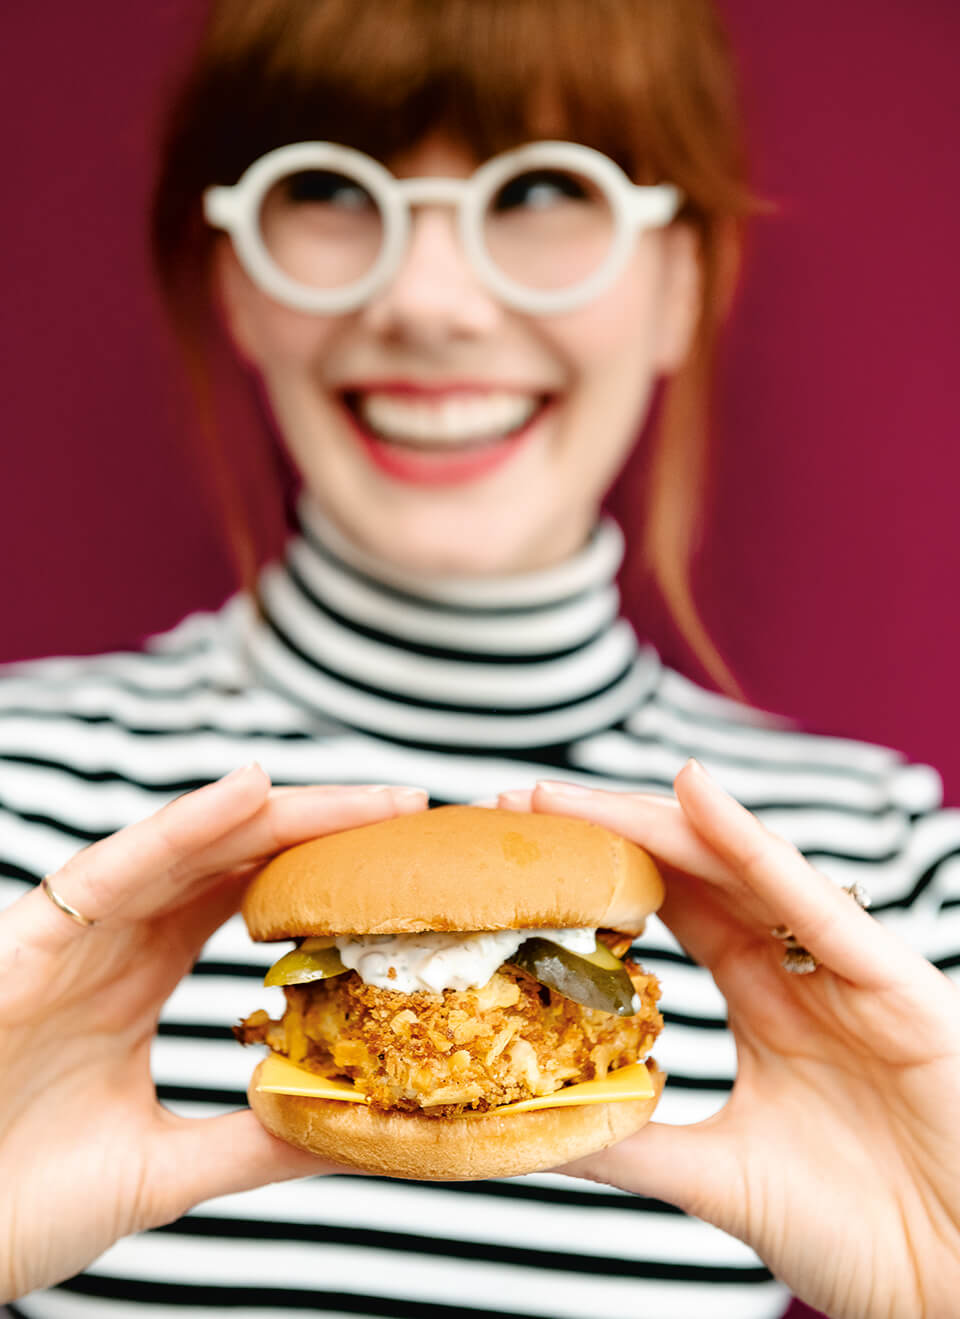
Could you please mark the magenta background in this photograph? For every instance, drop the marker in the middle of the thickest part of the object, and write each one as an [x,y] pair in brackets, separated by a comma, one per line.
[829,571]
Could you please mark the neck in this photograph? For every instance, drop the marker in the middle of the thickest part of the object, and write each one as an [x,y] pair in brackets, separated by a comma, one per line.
[594,556]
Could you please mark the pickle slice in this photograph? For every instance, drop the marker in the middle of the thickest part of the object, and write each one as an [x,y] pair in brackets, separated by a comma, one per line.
[595,980]
[315,959]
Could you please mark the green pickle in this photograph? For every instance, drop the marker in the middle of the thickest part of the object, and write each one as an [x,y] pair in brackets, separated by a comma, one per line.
[595,980]
[315,959]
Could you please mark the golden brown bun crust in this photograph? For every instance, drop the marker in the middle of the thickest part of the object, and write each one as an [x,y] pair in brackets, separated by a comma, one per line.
[449,1149]
[455,868]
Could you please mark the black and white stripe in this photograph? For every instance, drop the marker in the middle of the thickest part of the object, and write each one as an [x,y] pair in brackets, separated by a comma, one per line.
[350,671]
[535,660]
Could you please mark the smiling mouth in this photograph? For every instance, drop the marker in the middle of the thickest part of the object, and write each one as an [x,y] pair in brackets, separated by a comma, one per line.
[445,423]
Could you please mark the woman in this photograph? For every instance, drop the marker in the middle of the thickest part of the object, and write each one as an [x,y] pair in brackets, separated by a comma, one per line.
[446,618]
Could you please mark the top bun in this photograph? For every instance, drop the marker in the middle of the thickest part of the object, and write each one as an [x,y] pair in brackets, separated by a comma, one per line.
[455,868]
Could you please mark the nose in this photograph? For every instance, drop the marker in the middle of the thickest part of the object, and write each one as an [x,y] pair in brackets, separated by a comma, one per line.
[435,296]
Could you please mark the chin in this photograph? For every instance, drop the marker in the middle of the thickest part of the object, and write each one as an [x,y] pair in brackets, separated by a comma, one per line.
[430,517]
[429,541]
[480,553]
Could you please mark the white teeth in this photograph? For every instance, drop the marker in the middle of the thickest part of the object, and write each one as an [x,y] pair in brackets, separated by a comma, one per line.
[455,421]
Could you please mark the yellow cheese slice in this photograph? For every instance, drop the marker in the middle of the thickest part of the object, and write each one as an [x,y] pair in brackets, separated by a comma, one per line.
[632,1082]
[279,1076]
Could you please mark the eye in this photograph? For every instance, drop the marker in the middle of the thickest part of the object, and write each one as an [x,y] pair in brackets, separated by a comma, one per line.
[539,189]
[326,186]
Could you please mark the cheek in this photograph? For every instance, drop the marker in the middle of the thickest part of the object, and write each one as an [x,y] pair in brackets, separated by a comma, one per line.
[281,342]
[620,326]
[610,351]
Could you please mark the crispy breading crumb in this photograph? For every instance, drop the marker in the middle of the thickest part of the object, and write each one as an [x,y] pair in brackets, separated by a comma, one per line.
[462,1049]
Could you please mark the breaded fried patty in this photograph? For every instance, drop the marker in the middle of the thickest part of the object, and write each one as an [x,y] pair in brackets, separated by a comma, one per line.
[463,1049]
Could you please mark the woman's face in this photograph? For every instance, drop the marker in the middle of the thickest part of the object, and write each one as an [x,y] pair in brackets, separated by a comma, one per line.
[446,432]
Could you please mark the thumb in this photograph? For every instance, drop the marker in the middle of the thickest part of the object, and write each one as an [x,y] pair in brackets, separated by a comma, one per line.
[199,1159]
[691,1167]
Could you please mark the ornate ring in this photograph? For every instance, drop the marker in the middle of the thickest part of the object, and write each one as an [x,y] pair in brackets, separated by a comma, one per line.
[799,961]
[65,907]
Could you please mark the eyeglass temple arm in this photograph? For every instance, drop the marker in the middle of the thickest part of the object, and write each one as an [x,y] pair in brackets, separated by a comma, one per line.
[220,206]
[655,205]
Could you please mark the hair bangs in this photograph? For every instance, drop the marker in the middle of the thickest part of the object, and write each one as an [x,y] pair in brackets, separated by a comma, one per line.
[384,75]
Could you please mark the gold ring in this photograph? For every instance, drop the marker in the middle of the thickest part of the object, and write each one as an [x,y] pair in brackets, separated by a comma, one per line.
[65,907]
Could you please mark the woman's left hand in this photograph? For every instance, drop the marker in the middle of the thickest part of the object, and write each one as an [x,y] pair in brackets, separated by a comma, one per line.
[837,1156]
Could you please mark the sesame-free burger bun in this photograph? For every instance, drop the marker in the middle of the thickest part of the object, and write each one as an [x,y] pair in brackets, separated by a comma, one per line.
[466,1148]
[455,868]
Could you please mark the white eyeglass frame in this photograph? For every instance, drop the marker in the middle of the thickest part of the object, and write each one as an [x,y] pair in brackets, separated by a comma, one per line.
[235,209]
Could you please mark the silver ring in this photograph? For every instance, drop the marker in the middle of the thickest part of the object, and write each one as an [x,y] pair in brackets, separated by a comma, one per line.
[799,961]
[65,907]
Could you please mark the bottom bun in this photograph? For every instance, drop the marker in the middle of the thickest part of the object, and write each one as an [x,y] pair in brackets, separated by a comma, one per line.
[449,1149]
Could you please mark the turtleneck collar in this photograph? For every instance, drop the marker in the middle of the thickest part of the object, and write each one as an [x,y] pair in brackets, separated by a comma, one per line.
[488,664]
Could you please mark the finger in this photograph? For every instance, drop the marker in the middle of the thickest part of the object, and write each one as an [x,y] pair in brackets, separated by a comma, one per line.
[295,815]
[517,799]
[656,823]
[153,865]
[289,816]
[695,1168]
[99,880]
[712,923]
[652,820]
[285,818]
[821,916]
[198,1159]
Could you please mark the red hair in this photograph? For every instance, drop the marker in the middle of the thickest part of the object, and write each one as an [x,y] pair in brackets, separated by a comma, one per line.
[649,82]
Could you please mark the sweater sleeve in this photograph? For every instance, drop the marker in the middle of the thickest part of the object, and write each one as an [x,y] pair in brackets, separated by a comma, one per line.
[944,944]
[920,888]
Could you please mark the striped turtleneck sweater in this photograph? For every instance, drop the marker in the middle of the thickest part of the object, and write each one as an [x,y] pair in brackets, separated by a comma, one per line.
[348,671]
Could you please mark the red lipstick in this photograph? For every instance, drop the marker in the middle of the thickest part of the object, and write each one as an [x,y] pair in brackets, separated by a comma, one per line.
[440,466]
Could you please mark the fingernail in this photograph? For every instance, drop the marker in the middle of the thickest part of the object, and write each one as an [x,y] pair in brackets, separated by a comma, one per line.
[514,797]
[411,794]
[240,771]
[555,788]
[400,790]
[488,803]
[410,800]
[405,800]
[695,770]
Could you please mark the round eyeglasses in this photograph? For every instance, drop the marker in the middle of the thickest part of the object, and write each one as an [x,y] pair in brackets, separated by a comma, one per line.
[548,226]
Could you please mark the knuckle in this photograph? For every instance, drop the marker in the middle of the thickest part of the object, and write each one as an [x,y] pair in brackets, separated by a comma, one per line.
[78,870]
[766,853]
[756,857]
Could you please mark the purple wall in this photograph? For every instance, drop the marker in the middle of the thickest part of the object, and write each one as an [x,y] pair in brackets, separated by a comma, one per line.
[833,564]
[829,572]
[829,569]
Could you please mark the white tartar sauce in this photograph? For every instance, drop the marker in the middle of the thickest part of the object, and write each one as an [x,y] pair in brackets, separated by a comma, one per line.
[430,962]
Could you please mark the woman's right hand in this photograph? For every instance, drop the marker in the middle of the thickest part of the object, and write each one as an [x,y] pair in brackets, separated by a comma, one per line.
[87,1152]
[837,1155]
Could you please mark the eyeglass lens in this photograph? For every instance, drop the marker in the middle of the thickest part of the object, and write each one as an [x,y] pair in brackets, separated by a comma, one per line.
[548,228]
[544,228]
[321,227]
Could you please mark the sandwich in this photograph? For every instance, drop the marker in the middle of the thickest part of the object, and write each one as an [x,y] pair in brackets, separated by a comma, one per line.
[461,1002]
